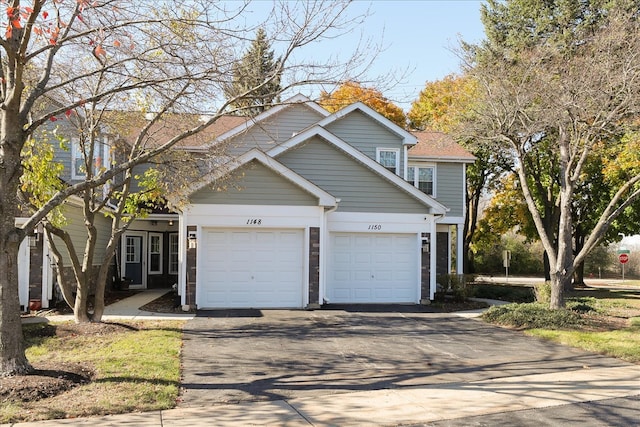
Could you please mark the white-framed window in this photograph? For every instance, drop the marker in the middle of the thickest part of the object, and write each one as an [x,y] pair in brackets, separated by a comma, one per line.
[132,249]
[389,158]
[422,177]
[101,155]
[173,253]
[155,253]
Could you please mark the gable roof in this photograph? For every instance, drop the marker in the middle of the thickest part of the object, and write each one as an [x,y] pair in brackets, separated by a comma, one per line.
[128,124]
[439,146]
[324,198]
[321,132]
[407,137]
[296,99]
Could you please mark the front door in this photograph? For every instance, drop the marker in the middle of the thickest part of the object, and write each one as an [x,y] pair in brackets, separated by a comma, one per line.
[133,260]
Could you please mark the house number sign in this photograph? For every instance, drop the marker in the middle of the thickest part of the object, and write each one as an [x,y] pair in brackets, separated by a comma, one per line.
[375,227]
[254,221]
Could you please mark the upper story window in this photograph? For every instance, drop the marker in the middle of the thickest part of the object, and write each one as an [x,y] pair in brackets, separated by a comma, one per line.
[422,177]
[389,158]
[100,158]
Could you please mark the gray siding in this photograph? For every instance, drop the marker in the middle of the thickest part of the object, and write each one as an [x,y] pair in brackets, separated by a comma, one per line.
[359,188]
[366,134]
[274,130]
[78,232]
[450,187]
[255,184]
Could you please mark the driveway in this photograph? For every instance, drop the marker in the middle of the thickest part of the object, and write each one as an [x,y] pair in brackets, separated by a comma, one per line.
[241,356]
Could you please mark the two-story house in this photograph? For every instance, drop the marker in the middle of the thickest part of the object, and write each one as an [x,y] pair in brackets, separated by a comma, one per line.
[308,208]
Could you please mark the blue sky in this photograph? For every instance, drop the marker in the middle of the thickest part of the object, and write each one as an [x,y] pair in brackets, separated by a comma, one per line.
[420,35]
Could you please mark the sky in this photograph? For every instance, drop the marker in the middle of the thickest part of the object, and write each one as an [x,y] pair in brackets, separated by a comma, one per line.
[420,36]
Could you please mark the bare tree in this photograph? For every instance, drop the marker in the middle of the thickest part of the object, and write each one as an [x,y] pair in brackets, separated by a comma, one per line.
[568,100]
[161,56]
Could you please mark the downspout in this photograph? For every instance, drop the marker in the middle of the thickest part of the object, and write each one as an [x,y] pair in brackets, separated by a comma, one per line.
[324,237]
[433,259]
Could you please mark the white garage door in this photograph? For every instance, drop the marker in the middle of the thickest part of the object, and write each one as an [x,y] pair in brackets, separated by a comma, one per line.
[251,269]
[373,268]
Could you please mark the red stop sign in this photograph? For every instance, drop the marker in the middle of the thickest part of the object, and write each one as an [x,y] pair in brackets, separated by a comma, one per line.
[623,258]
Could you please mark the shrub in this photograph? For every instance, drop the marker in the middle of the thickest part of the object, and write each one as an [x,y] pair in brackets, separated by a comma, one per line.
[530,316]
[452,287]
[543,292]
[503,292]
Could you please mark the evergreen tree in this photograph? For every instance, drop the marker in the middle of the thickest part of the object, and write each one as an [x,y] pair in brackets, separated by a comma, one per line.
[257,69]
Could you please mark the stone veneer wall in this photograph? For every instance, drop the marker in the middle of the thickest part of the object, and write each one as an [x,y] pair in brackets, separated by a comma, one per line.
[425,276]
[190,297]
[314,267]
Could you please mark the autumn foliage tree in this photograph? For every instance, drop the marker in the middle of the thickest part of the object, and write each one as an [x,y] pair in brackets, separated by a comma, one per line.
[445,105]
[153,57]
[351,92]
[556,80]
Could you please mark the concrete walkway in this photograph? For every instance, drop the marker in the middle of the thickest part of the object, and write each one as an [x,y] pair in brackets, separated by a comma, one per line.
[408,405]
[395,406]
[125,309]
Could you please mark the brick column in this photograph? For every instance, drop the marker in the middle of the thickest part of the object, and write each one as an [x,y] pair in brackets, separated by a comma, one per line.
[425,276]
[314,268]
[190,297]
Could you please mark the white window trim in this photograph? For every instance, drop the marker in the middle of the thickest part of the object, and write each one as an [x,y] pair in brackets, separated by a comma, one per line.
[103,153]
[415,175]
[75,142]
[395,150]
[159,236]
[176,237]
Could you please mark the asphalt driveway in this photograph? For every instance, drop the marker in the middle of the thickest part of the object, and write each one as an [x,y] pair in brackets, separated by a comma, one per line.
[240,356]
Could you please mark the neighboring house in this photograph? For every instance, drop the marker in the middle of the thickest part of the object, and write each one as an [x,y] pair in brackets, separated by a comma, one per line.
[307,208]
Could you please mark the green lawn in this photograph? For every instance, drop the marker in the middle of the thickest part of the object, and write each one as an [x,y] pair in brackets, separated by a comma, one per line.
[597,320]
[622,343]
[136,365]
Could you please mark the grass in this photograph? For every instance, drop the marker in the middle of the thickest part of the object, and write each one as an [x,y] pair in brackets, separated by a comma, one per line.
[597,320]
[137,368]
[623,343]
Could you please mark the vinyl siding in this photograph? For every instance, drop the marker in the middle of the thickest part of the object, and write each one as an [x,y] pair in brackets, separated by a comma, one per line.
[450,187]
[255,184]
[274,130]
[359,188]
[366,134]
[78,232]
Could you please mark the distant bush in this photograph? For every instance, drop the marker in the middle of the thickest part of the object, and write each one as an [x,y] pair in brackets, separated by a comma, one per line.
[503,293]
[531,316]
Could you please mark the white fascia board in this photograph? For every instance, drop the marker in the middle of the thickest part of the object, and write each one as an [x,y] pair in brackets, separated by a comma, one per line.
[321,132]
[442,159]
[296,99]
[407,137]
[325,199]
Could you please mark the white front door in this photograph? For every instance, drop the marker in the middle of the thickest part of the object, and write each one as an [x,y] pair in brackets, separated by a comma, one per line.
[373,268]
[251,269]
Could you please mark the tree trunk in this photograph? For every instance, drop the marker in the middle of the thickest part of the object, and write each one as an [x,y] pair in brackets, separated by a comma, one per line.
[12,358]
[578,275]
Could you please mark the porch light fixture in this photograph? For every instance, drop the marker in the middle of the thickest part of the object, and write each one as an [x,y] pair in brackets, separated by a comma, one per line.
[192,240]
[170,223]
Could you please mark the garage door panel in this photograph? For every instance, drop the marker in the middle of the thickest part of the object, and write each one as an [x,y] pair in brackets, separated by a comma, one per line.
[373,268]
[252,269]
